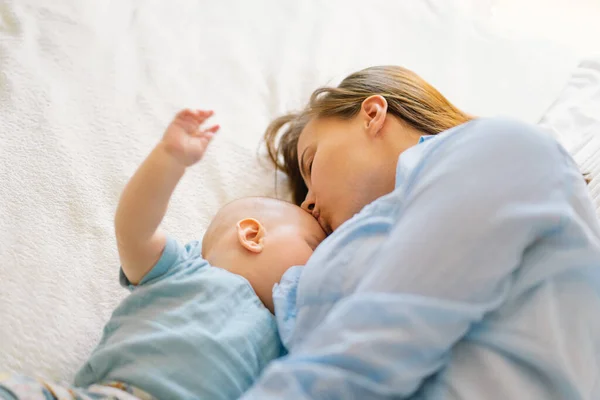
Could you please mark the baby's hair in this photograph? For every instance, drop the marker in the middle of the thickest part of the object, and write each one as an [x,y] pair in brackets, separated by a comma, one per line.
[409,98]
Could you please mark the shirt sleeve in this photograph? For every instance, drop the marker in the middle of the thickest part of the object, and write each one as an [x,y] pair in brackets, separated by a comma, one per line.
[284,299]
[172,254]
[473,206]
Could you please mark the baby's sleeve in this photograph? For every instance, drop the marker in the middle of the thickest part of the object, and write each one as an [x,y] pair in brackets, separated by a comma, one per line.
[173,254]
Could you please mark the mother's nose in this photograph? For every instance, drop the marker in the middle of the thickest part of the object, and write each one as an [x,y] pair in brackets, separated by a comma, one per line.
[308,204]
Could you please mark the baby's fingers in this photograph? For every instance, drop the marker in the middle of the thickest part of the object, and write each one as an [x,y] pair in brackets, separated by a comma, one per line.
[202,115]
[196,117]
[212,130]
[204,136]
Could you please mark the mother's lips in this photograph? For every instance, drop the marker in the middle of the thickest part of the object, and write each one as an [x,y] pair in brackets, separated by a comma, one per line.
[324,225]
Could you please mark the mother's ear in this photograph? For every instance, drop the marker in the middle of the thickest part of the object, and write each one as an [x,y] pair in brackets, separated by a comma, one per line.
[373,111]
[250,234]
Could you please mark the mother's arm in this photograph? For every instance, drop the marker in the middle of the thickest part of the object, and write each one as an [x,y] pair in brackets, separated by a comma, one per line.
[467,221]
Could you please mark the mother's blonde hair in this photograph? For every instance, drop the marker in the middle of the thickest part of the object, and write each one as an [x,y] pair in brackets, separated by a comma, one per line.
[409,98]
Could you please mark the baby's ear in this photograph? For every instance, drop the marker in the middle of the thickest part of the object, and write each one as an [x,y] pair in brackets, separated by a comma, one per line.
[250,234]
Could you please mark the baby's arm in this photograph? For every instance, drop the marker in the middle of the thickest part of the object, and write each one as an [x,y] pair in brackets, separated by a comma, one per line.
[145,198]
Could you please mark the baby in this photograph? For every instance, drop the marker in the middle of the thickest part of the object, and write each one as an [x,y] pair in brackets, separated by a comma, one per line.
[198,323]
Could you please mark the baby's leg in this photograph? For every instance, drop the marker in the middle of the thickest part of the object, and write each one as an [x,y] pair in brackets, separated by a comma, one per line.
[21,387]
[15,387]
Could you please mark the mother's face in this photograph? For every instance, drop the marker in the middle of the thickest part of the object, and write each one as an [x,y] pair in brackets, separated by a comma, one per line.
[346,164]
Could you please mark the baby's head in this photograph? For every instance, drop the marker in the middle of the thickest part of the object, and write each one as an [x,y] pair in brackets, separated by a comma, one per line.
[259,238]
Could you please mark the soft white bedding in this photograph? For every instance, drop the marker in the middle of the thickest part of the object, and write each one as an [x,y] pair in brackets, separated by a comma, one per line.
[574,119]
[87,87]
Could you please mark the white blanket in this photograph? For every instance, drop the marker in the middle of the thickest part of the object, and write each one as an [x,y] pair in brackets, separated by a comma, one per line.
[87,87]
[574,119]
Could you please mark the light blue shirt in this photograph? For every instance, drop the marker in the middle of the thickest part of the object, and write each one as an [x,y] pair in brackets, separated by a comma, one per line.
[478,277]
[187,331]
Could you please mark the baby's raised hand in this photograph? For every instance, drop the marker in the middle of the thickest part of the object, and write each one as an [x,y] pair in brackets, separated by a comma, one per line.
[185,139]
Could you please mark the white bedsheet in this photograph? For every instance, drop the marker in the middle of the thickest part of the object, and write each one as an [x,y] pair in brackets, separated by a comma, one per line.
[574,119]
[87,87]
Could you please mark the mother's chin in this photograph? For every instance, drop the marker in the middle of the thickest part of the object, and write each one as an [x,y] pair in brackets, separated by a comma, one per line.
[326,226]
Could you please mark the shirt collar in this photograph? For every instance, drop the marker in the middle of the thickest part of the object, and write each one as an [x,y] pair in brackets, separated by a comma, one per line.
[409,158]
[425,137]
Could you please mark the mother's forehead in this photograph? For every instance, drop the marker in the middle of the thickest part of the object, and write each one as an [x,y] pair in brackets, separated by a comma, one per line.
[317,126]
[311,131]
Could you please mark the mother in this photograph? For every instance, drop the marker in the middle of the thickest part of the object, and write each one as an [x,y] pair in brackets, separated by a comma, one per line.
[464,261]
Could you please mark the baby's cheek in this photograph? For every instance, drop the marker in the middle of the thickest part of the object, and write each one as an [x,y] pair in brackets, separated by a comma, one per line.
[299,254]
[307,253]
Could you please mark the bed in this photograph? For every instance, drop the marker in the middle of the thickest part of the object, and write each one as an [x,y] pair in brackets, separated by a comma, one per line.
[86,89]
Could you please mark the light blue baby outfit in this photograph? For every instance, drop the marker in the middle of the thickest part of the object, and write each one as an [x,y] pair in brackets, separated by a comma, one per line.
[478,277]
[187,331]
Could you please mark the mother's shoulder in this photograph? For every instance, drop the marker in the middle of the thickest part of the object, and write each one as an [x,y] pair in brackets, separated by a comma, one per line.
[494,147]
[498,135]
[503,128]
